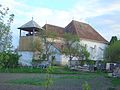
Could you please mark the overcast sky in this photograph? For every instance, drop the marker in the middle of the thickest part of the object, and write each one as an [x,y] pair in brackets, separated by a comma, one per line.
[102,15]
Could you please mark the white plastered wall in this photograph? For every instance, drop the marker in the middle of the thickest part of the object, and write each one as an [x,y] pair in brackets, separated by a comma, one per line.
[26,58]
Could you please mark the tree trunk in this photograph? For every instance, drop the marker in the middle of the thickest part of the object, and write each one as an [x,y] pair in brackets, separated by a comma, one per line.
[70,61]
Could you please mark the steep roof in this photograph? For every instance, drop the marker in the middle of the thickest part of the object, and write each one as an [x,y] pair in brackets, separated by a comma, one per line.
[52,28]
[29,26]
[84,31]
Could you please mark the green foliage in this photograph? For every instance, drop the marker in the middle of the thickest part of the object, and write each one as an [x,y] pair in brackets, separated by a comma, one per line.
[49,79]
[86,86]
[112,52]
[65,81]
[88,62]
[43,57]
[23,70]
[85,53]
[73,48]
[48,39]
[82,53]
[112,88]
[113,39]
[38,45]
[8,59]
[70,38]
[115,81]
[29,81]
[70,41]
[5,33]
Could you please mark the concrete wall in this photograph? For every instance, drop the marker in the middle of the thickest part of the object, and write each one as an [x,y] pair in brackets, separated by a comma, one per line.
[26,58]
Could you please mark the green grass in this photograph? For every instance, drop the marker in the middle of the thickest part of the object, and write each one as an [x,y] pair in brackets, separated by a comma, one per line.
[39,81]
[66,80]
[83,76]
[64,77]
[115,81]
[28,81]
[22,70]
[79,77]
[56,70]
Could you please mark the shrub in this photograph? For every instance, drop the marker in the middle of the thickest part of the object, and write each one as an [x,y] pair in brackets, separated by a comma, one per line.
[88,62]
[86,86]
[8,59]
[112,52]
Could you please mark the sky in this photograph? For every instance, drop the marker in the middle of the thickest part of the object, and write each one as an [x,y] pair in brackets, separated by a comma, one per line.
[102,15]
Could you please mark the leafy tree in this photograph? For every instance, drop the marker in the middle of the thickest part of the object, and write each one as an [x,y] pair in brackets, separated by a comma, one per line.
[112,52]
[73,48]
[48,40]
[38,45]
[5,33]
[113,39]
[82,53]
[70,41]
[8,58]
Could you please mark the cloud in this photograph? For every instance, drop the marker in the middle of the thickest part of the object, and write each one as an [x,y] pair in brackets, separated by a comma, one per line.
[83,10]
[89,9]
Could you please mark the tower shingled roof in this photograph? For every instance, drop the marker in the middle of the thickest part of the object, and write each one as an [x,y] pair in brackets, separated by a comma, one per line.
[30,26]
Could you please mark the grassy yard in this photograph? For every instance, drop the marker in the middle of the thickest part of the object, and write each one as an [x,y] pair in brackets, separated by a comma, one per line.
[56,70]
[63,77]
[95,81]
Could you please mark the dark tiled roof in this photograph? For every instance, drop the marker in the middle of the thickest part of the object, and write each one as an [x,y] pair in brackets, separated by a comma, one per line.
[52,28]
[30,26]
[84,31]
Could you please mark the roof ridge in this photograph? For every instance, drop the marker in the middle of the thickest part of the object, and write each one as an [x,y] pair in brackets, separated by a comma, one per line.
[80,22]
[53,25]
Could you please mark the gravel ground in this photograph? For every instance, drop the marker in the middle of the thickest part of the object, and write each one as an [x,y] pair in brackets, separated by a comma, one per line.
[62,84]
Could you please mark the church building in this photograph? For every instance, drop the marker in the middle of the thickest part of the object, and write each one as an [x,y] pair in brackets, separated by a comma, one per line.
[93,41]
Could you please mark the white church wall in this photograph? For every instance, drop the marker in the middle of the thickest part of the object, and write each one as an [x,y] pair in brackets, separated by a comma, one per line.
[26,58]
[60,59]
[65,60]
[96,49]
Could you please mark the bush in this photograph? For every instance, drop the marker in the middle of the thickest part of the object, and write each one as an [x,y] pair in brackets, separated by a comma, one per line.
[8,59]
[86,86]
[88,62]
[112,52]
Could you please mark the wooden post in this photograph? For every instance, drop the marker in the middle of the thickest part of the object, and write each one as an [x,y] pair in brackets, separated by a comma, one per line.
[20,32]
[19,40]
[33,37]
